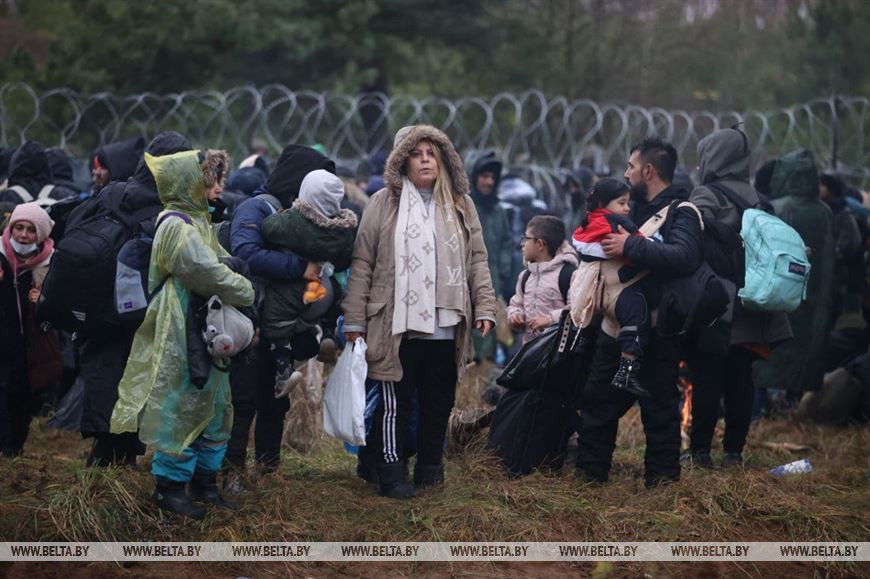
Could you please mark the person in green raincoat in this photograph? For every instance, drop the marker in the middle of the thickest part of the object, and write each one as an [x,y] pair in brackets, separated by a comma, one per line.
[798,365]
[187,427]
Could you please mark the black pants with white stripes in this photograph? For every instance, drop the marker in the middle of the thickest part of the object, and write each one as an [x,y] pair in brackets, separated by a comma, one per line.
[429,366]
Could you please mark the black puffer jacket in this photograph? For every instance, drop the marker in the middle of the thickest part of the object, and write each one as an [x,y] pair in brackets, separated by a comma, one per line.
[681,252]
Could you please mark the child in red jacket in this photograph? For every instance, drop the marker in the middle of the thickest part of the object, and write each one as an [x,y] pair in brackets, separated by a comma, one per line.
[608,209]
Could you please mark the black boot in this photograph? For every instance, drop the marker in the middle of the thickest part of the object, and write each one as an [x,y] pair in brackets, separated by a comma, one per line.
[204,488]
[170,495]
[627,378]
[366,467]
[102,453]
[426,475]
[393,481]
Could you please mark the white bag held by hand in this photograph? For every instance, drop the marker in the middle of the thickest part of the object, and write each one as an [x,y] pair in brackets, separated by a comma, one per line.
[344,402]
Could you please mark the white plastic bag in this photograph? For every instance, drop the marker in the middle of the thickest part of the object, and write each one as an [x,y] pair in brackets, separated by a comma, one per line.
[344,402]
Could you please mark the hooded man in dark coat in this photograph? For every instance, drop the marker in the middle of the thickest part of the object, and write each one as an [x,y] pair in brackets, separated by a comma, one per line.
[484,174]
[848,247]
[721,357]
[116,162]
[799,365]
[650,172]
[102,358]
[252,379]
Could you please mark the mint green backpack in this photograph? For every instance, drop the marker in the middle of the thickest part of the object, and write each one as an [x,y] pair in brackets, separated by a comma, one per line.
[777,268]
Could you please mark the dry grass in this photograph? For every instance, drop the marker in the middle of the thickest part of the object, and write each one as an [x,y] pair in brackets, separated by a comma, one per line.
[48,495]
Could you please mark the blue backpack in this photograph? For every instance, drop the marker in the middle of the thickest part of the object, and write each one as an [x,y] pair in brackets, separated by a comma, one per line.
[131,276]
[774,261]
[777,268]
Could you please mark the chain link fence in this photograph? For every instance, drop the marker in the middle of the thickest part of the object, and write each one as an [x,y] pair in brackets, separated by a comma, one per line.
[538,136]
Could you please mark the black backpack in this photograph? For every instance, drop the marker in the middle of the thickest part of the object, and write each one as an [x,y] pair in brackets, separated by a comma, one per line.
[564,279]
[723,247]
[78,294]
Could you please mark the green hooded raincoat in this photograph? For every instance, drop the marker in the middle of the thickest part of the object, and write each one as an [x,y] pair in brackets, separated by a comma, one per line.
[799,364]
[155,395]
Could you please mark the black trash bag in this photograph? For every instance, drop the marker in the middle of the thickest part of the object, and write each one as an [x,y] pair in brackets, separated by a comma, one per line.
[528,368]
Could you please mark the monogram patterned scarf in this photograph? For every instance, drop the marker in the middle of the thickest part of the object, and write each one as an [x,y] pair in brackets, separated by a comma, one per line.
[430,264]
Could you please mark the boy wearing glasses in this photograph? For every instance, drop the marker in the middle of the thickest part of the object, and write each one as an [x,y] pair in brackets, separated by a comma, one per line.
[542,288]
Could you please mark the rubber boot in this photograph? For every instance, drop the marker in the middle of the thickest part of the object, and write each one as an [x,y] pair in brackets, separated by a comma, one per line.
[427,475]
[627,378]
[204,489]
[171,496]
[393,481]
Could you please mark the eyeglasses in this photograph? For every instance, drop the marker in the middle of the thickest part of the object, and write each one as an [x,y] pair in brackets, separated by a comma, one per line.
[525,238]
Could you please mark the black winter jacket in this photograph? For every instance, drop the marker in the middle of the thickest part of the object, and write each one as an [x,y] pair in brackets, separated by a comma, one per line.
[681,253]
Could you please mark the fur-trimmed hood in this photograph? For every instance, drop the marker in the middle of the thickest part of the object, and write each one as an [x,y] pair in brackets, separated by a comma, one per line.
[406,139]
[215,165]
[346,219]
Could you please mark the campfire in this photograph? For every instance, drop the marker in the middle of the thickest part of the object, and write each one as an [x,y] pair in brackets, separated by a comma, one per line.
[684,383]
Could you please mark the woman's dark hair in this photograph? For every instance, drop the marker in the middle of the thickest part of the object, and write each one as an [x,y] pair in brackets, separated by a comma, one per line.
[549,229]
[603,192]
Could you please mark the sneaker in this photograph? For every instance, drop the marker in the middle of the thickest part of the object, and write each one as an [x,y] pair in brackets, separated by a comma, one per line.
[732,459]
[627,378]
[285,381]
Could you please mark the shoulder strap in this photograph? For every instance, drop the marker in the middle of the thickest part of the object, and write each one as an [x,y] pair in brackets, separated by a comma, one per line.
[45,192]
[681,204]
[565,280]
[722,191]
[649,227]
[22,193]
[169,214]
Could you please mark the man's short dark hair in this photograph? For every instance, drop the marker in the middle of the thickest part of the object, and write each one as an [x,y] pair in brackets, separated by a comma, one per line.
[550,230]
[660,154]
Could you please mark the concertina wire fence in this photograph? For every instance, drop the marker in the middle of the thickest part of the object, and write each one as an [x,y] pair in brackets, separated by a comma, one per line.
[536,136]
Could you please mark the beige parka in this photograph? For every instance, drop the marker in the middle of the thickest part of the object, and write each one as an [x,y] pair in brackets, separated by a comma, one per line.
[368,307]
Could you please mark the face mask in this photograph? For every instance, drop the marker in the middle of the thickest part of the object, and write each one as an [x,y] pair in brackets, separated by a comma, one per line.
[23,249]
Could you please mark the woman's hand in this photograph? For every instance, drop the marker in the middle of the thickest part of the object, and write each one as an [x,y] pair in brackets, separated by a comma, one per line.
[33,295]
[2,273]
[484,326]
[352,336]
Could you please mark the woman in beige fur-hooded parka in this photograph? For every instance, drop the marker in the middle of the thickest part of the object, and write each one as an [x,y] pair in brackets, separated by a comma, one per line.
[419,282]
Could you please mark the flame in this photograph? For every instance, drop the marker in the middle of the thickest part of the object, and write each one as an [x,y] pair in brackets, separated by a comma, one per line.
[686,387]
